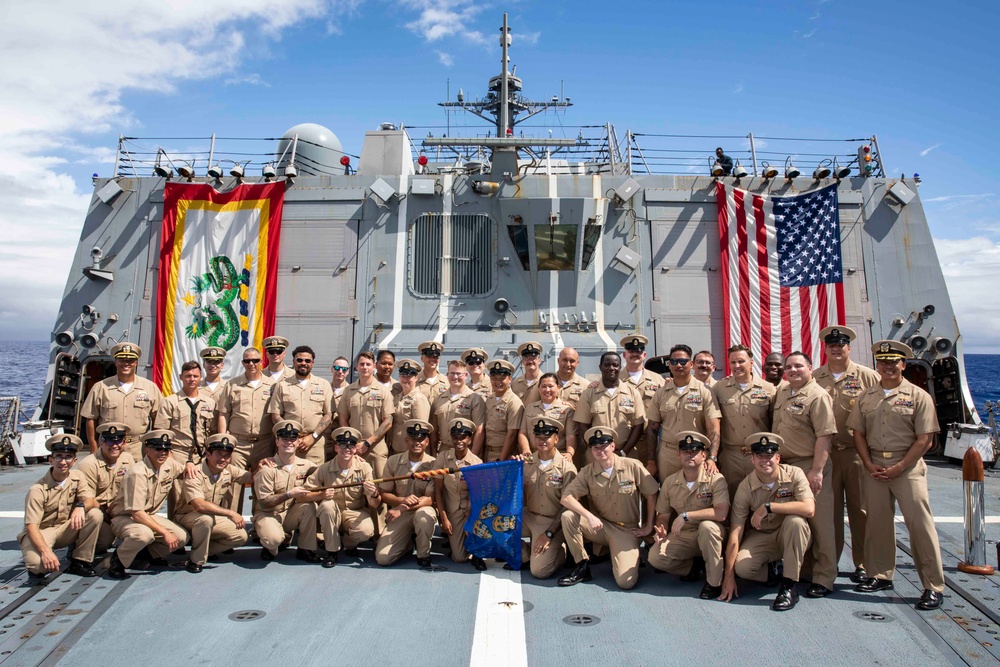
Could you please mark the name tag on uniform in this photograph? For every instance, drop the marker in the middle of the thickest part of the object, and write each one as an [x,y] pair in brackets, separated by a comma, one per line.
[554,479]
[903,403]
[796,408]
[758,395]
[705,495]
[784,492]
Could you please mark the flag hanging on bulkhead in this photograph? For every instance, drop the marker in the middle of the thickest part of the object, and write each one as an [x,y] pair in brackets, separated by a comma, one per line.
[496,500]
[218,274]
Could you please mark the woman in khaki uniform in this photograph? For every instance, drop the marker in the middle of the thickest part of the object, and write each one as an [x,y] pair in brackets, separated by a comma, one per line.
[451,493]
[894,424]
[553,407]
[409,403]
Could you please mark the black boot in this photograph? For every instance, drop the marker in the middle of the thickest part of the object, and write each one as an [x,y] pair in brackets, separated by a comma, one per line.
[116,570]
[580,573]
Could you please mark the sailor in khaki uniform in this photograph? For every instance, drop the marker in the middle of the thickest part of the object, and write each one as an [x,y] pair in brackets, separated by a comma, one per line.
[690,511]
[307,399]
[367,407]
[458,400]
[451,493]
[430,382]
[346,510]
[525,387]
[503,415]
[744,400]
[206,510]
[409,403]
[279,488]
[611,404]
[778,502]
[103,473]
[242,408]
[125,398]
[704,367]
[551,406]
[546,474]
[894,424]
[645,381]
[213,359]
[410,517]
[773,369]
[845,381]
[275,368]
[475,359]
[189,415]
[59,510]
[615,485]
[803,417]
[571,385]
[684,403]
[134,513]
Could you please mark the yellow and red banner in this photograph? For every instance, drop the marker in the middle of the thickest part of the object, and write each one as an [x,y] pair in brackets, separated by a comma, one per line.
[218,274]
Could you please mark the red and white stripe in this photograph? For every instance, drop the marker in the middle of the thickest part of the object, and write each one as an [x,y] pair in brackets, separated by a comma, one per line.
[757,311]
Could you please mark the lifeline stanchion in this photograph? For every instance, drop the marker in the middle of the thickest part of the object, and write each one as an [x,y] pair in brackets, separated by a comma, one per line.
[975,515]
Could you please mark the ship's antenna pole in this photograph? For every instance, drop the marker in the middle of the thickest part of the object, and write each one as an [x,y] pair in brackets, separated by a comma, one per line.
[447,112]
[504,111]
[753,154]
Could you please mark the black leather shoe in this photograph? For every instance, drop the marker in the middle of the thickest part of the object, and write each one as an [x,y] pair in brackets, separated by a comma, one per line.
[817,591]
[786,599]
[423,562]
[930,600]
[775,569]
[697,572]
[266,555]
[710,592]
[478,563]
[331,559]
[81,568]
[874,585]
[116,570]
[192,567]
[352,552]
[307,555]
[859,576]
[36,579]
[580,573]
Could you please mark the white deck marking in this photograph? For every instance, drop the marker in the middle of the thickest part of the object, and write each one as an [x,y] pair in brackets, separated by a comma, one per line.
[498,637]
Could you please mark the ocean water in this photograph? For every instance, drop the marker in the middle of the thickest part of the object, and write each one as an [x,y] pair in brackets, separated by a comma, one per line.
[24,374]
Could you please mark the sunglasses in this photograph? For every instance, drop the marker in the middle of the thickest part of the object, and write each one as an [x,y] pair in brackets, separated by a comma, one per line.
[342,369]
[288,438]
[117,442]
[600,445]
[275,350]
[214,362]
[430,353]
[303,360]
[348,445]
[407,374]
[678,362]
[247,362]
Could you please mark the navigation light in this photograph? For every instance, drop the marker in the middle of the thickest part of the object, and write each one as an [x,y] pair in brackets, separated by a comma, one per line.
[840,172]
[236,171]
[790,170]
[215,171]
[422,160]
[822,170]
[268,172]
[186,171]
[768,171]
[739,171]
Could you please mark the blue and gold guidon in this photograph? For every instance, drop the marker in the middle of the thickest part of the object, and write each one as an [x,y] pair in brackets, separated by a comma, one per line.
[496,501]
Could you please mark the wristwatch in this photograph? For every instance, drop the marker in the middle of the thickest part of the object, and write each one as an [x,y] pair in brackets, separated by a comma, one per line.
[767,506]
[549,534]
[684,515]
[315,435]
[714,458]
[81,505]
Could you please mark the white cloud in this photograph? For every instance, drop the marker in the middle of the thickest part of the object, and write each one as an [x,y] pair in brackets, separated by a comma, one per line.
[66,67]
[738,88]
[446,18]
[927,150]
[971,269]
[252,79]
[445,58]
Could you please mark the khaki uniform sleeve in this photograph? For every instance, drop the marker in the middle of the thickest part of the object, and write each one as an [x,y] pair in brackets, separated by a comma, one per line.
[34,505]
[855,421]
[647,483]
[801,485]
[155,398]
[274,405]
[163,415]
[653,415]
[582,414]
[226,401]
[134,489]
[741,505]
[578,488]
[640,408]
[478,410]
[193,488]
[83,490]
[388,405]
[421,408]
[711,406]
[393,469]
[663,500]
[720,491]
[89,409]
[514,415]
[263,483]
[924,414]
[821,413]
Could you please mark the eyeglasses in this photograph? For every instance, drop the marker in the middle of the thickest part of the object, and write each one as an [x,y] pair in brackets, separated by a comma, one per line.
[677,362]
[303,360]
[274,351]
[247,362]
[342,369]
[64,457]
[348,445]
[600,445]
[289,438]
[214,362]
[704,363]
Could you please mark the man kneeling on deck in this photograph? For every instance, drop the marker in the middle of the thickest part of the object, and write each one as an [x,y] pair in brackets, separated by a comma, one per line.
[208,499]
[451,493]
[60,510]
[345,509]
[411,515]
[778,502]
[615,485]
[133,514]
[699,500]
[103,473]
[277,488]
[546,474]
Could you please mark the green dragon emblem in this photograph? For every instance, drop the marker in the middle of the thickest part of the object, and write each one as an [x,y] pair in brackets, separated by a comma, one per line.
[219,300]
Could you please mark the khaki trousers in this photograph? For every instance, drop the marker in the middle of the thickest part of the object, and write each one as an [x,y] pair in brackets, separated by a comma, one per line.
[274,527]
[135,537]
[788,543]
[316,453]
[824,547]
[667,461]
[398,536]
[734,466]
[909,489]
[357,526]
[211,535]
[533,526]
[845,482]
[105,537]
[676,553]
[63,536]
[251,450]
[624,546]
[457,538]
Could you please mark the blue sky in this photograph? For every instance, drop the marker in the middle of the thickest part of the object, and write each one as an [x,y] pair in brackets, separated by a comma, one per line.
[76,76]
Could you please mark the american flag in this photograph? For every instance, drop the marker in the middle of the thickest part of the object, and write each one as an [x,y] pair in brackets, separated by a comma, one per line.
[782,275]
